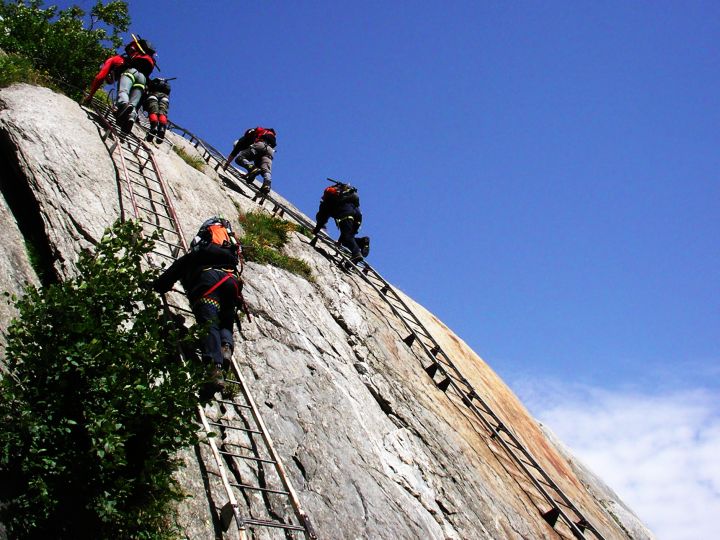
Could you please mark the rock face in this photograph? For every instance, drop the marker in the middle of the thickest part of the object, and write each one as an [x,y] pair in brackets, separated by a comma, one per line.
[374,449]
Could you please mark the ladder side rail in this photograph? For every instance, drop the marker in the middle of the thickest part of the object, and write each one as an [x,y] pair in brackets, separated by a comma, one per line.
[123,167]
[524,468]
[168,200]
[212,152]
[203,418]
[117,148]
[294,499]
[487,424]
[223,474]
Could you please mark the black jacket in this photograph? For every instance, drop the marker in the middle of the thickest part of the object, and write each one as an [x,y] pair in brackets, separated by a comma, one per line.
[189,267]
[346,205]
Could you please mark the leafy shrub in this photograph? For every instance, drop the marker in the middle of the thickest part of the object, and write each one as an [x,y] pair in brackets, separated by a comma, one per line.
[95,403]
[196,162]
[57,42]
[263,238]
[17,69]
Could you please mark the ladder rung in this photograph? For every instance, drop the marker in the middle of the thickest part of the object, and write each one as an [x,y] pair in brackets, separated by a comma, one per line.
[236,428]
[171,244]
[152,200]
[264,490]
[228,402]
[146,187]
[262,460]
[152,213]
[159,226]
[276,524]
[228,443]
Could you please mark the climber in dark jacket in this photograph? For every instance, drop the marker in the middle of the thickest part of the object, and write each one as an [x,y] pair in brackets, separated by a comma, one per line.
[342,203]
[209,275]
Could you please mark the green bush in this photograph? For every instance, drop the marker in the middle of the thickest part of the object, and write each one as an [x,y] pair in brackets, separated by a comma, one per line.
[17,69]
[95,403]
[58,43]
[264,237]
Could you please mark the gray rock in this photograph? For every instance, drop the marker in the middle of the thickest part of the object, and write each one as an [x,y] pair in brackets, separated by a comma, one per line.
[373,447]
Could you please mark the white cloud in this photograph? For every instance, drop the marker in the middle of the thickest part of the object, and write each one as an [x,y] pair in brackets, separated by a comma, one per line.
[660,453]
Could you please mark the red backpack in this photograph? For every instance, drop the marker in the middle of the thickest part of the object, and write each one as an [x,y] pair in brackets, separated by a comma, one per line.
[266,135]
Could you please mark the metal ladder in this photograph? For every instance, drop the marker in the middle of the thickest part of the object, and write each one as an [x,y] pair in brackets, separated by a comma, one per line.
[256,485]
[544,493]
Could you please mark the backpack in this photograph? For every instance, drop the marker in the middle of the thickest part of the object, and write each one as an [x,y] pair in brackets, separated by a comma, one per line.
[139,45]
[266,135]
[340,193]
[139,55]
[159,85]
[244,142]
[218,231]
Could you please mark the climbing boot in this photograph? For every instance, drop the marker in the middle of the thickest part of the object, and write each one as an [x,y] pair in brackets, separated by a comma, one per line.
[356,259]
[217,379]
[127,125]
[265,188]
[122,111]
[127,119]
[215,383]
[160,134]
[151,132]
[364,244]
[227,355]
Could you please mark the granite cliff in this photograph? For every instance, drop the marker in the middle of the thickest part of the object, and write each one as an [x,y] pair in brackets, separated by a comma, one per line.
[373,447]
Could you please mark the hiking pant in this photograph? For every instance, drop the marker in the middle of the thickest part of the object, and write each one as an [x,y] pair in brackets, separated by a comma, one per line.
[348,230]
[260,155]
[157,105]
[217,308]
[130,89]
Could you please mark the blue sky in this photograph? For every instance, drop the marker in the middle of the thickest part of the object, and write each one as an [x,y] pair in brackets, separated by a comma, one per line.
[541,175]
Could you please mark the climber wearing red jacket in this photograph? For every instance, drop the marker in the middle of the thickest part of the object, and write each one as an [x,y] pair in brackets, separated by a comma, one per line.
[131,70]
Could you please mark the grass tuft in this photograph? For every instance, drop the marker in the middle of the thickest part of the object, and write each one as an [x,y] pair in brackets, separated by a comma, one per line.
[264,237]
[196,162]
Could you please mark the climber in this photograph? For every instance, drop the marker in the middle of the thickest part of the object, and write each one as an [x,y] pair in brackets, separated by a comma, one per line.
[255,151]
[130,71]
[157,104]
[211,279]
[342,203]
